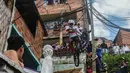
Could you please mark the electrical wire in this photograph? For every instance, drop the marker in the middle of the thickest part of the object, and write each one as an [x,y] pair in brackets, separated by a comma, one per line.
[103,17]
[118,27]
[104,21]
[109,21]
[113,31]
[111,5]
[81,17]
[114,6]
[116,20]
[124,35]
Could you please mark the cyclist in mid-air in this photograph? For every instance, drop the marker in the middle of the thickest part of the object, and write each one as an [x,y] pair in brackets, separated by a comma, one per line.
[73,32]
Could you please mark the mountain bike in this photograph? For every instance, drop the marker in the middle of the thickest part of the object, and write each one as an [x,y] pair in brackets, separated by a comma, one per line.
[80,46]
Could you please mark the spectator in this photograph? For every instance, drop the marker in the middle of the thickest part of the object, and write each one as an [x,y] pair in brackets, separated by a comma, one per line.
[80,28]
[116,49]
[104,47]
[124,68]
[89,69]
[15,49]
[98,59]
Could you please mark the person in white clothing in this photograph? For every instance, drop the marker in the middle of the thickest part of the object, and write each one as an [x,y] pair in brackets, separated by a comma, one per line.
[116,49]
[72,29]
[73,32]
[80,28]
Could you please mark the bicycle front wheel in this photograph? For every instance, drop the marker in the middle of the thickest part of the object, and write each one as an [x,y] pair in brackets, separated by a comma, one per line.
[76,59]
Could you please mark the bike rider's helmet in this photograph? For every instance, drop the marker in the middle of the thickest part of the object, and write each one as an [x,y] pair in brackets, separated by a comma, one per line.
[71,22]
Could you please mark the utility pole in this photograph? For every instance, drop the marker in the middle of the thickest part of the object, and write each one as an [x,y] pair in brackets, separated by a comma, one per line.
[93,39]
[86,20]
[86,15]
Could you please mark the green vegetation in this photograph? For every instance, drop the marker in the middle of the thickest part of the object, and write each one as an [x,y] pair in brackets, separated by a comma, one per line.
[114,61]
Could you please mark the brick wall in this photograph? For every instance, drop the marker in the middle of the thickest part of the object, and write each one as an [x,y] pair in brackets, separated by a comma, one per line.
[107,42]
[39,39]
[36,42]
[22,28]
[52,9]
[123,37]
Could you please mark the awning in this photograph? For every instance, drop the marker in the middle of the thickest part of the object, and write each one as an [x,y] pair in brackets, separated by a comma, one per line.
[30,14]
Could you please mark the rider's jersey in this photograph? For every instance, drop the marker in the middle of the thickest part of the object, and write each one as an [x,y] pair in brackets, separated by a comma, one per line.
[73,31]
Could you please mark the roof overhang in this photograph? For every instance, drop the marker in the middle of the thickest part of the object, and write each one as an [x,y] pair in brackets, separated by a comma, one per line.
[29,13]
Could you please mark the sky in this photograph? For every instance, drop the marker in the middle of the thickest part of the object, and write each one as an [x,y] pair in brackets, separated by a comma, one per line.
[118,11]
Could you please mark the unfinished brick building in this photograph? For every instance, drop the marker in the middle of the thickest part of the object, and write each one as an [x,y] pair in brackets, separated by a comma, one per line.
[123,38]
[50,12]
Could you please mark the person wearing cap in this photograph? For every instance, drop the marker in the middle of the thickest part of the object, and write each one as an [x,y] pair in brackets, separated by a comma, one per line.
[15,49]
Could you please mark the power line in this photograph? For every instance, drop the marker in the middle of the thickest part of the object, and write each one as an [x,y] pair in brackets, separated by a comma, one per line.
[112,30]
[115,16]
[112,5]
[104,21]
[118,27]
[81,17]
[116,20]
[124,35]
[113,25]
[104,17]
[125,18]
